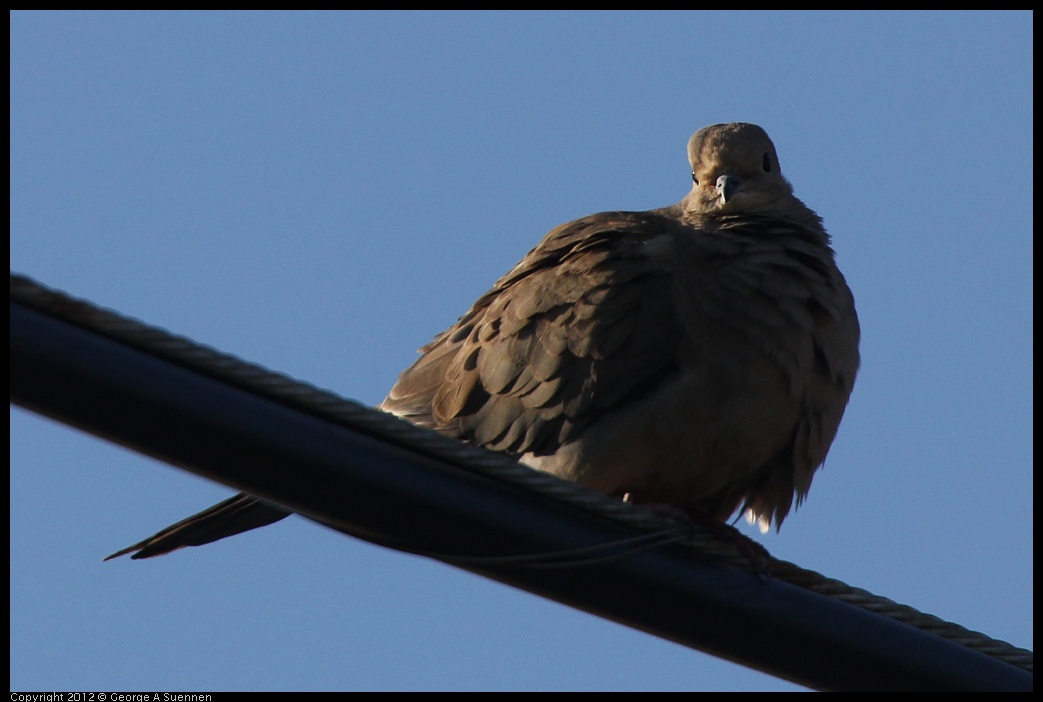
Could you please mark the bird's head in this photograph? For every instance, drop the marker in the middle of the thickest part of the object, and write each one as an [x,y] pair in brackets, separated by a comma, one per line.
[735,170]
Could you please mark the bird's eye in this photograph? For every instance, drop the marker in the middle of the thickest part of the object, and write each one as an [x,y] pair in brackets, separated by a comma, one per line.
[766,163]
[694,179]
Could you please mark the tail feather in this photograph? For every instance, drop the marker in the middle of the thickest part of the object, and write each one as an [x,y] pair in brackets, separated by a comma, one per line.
[233,516]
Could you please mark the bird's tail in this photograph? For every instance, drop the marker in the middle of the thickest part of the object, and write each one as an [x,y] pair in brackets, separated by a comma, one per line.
[233,516]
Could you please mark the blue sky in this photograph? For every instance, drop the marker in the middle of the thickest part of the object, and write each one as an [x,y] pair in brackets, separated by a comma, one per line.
[322,193]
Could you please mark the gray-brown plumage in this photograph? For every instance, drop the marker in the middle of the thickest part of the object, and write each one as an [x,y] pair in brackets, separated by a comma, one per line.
[699,355]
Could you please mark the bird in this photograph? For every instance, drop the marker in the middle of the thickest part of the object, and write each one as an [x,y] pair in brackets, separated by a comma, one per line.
[699,355]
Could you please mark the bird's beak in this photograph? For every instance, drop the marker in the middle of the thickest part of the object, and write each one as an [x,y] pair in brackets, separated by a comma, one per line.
[727,186]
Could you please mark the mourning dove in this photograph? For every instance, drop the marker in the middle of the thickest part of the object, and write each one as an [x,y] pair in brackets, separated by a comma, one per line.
[700,355]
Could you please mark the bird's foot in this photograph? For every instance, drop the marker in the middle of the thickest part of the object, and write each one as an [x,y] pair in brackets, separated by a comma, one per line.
[754,553]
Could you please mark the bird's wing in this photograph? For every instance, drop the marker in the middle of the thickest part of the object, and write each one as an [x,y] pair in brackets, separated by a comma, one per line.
[584,322]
